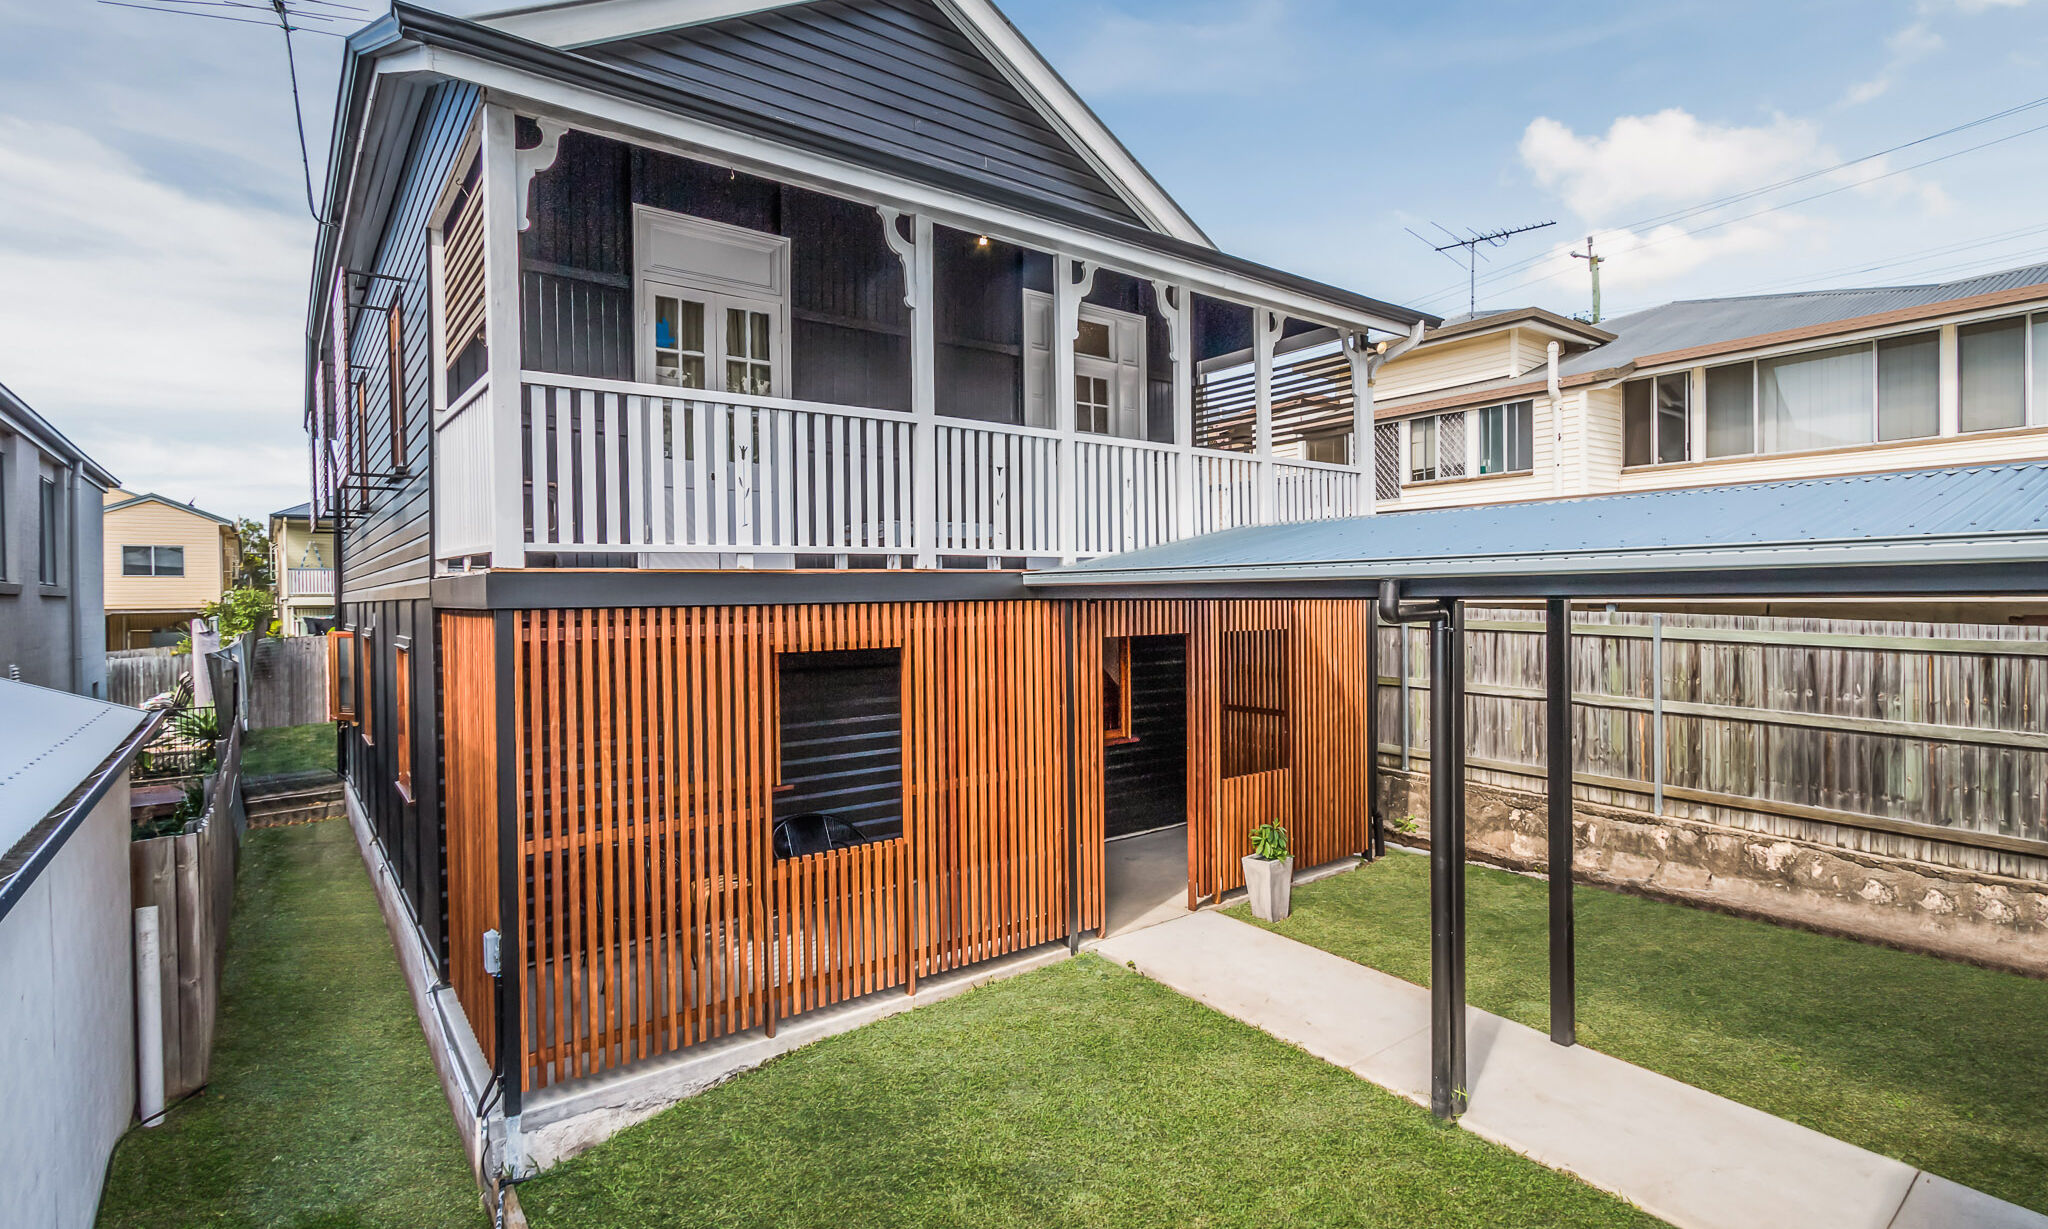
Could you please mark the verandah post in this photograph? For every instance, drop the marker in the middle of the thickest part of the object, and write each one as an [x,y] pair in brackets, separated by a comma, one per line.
[924,391]
[1266,328]
[1557,680]
[502,188]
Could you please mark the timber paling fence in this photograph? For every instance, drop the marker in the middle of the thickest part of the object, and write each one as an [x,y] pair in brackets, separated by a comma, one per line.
[1922,741]
[287,678]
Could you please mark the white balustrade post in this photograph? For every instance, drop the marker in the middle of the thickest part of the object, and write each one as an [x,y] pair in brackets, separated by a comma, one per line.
[1266,325]
[1180,351]
[503,188]
[1070,282]
[1364,450]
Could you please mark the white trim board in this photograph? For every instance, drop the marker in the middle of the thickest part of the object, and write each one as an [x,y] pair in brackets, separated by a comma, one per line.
[575,24]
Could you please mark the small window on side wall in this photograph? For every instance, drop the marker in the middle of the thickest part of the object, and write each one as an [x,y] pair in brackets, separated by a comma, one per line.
[1256,719]
[840,778]
[1116,689]
[401,717]
[366,674]
[395,383]
[341,675]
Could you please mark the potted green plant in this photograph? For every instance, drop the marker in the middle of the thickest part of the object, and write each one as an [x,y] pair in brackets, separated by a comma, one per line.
[1269,873]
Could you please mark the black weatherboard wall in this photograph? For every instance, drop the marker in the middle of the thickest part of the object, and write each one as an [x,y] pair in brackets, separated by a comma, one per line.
[841,723]
[895,76]
[385,539]
[1145,781]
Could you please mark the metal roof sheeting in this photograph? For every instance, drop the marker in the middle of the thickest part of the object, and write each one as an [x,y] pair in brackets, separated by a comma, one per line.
[1693,323]
[50,743]
[1962,516]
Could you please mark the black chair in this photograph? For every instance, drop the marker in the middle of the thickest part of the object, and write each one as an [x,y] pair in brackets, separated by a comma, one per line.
[813,832]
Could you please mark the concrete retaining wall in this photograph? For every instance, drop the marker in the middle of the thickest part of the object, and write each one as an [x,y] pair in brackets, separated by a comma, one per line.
[1965,915]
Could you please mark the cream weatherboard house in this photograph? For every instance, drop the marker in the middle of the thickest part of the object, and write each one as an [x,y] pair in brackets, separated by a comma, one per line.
[302,563]
[164,560]
[1526,404]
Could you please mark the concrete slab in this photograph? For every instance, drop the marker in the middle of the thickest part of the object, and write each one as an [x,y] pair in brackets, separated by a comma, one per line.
[1146,879]
[1694,1159]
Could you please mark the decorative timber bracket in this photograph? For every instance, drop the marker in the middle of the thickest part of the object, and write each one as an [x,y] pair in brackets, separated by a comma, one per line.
[905,249]
[1167,298]
[532,161]
[1080,280]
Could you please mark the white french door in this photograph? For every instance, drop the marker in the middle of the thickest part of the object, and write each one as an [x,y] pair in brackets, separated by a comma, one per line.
[717,342]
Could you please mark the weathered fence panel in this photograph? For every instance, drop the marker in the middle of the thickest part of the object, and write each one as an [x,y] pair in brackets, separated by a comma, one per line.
[1917,740]
[288,682]
[134,675]
[190,878]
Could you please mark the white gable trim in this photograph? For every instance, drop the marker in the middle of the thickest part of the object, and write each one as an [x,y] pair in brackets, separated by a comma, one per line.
[1048,92]
[582,23]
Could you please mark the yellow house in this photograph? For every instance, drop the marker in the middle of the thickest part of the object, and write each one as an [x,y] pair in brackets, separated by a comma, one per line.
[302,560]
[164,560]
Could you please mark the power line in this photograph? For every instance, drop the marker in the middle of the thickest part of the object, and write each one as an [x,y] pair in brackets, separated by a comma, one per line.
[1751,193]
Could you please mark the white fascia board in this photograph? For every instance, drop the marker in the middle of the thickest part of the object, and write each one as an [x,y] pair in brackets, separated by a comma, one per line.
[584,23]
[623,119]
[1008,49]
[1886,553]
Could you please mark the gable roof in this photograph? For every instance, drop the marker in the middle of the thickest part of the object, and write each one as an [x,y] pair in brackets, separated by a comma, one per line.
[153,497]
[953,80]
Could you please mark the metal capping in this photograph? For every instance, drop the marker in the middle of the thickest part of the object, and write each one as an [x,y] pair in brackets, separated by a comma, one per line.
[1957,515]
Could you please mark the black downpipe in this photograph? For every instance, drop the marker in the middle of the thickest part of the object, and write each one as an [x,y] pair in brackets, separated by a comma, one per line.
[511,876]
[1447,1050]
[1375,819]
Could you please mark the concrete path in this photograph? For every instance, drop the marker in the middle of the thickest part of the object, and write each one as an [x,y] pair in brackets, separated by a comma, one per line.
[1694,1159]
[1146,878]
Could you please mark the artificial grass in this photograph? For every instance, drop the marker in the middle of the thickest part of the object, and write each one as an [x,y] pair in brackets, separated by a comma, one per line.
[288,749]
[1079,1094]
[1941,1065]
[324,1108]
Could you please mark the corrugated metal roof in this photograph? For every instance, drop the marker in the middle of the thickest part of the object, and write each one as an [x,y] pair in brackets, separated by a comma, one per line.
[50,742]
[1692,323]
[1981,514]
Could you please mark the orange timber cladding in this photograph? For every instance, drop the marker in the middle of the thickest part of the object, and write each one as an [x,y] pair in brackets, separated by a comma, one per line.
[656,915]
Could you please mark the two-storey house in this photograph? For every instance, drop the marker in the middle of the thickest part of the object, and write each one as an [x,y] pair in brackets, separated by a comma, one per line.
[1525,404]
[163,561]
[52,632]
[691,384]
[302,570]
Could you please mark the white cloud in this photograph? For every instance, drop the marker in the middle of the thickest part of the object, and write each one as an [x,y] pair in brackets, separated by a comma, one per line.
[1236,49]
[157,327]
[1647,264]
[1670,156]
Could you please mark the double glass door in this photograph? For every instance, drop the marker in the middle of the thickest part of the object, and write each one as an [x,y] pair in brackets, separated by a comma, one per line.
[713,341]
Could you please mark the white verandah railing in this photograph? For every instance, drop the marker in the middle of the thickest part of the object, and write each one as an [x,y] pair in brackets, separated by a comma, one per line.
[615,467]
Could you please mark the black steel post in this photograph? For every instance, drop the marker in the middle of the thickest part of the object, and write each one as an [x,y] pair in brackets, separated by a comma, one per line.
[1557,679]
[1375,822]
[511,874]
[1447,1088]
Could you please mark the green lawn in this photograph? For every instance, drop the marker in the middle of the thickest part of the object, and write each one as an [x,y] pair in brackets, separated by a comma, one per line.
[1941,1065]
[1079,1094]
[324,1108]
[287,749]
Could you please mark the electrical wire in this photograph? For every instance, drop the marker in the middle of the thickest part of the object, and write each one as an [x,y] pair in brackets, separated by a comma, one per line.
[1751,193]
[298,110]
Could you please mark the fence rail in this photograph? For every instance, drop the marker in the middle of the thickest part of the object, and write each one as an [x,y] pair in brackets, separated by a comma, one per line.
[1923,732]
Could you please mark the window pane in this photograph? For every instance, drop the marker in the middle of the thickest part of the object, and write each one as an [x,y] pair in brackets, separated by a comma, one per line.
[1421,449]
[1116,661]
[664,322]
[1637,423]
[1731,410]
[1521,437]
[1908,373]
[1992,358]
[1093,338]
[1817,400]
[1674,429]
[135,561]
[1253,669]
[1493,440]
[170,561]
[2040,402]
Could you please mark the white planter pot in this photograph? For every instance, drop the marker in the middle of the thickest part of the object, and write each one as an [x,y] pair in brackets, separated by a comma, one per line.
[1271,886]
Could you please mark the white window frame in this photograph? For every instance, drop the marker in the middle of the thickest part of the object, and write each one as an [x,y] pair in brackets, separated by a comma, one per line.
[153,564]
[1504,409]
[717,289]
[1128,411]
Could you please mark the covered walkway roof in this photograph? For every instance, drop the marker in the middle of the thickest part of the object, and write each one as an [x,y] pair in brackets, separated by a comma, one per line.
[1980,530]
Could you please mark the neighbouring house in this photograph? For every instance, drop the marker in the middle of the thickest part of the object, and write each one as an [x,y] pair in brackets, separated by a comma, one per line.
[1526,404]
[51,628]
[693,385]
[302,560]
[164,560]
[67,966]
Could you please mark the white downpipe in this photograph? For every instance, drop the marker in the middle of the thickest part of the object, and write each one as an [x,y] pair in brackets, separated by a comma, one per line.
[1556,424]
[149,1020]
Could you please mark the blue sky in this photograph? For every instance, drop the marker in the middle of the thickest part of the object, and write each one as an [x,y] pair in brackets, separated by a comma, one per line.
[154,235]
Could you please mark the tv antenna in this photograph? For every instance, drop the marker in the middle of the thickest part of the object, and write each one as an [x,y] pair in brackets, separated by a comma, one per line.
[1472,241]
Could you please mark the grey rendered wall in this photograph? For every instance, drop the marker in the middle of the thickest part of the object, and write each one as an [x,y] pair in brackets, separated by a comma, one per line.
[53,636]
[67,1041]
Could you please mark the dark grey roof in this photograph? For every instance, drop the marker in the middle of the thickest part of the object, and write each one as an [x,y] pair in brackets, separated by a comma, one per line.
[1979,517]
[305,509]
[1706,322]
